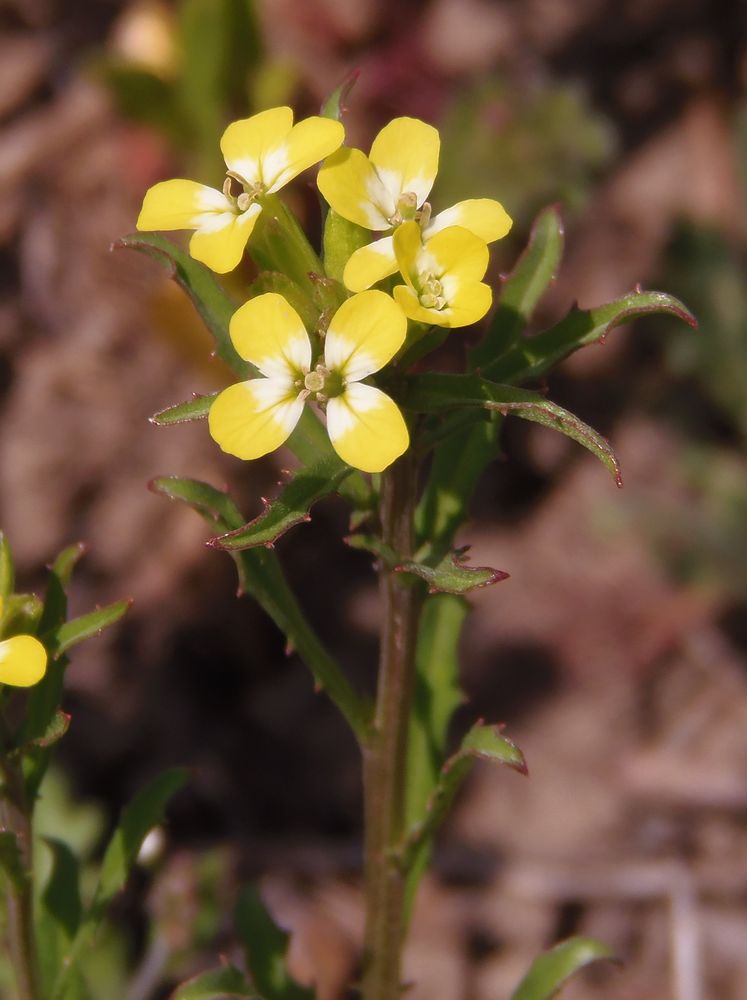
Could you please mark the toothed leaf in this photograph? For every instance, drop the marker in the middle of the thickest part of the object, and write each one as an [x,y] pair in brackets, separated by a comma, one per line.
[181,413]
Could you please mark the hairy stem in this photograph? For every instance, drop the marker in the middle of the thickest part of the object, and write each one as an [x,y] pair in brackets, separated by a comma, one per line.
[386,751]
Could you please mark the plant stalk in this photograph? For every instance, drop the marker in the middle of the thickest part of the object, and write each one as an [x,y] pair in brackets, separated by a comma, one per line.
[385,754]
[15,817]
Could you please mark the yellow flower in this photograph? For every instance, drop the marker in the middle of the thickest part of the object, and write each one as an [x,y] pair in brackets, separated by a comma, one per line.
[443,276]
[365,426]
[262,153]
[390,186]
[23,659]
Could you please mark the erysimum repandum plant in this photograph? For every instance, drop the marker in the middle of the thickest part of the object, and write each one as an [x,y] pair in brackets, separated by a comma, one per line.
[312,331]
[365,426]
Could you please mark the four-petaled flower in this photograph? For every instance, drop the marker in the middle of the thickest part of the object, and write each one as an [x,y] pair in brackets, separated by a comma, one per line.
[390,186]
[262,153]
[23,659]
[443,276]
[365,426]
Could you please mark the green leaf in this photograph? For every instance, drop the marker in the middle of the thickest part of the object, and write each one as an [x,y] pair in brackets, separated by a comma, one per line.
[59,912]
[11,860]
[217,984]
[212,303]
[451,575]
[436,696]
[289,508]
[336,104]
[278,243]
[79,629]
[523,288]
[265,946]
[534,356]
[21,615]
[58,726]
[144,812]
[548,972]
[434,393]
[261,575]
[7,569]
[180,413]
[480,743]
[341,239]
[60,575]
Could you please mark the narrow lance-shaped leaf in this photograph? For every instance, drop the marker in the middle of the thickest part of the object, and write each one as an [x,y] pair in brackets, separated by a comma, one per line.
[523,288]
[336,104]
[534,356]
[550,971]
[289,508]
[481,743]
[265,947]
[261,575]
[181,413]
[144,812]
[217,984]
[431,393]
[7,569]
[59,913]
[79,629]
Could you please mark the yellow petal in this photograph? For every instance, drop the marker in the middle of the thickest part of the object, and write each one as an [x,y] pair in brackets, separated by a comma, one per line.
[246,143]
[366,428]
[308,143]
[370,264]
[365,332]
[253,418]
[483,217]
[180,204]
[348,181]
[405,154]
[268,332]
[23,661]
[457,253]
[408,245]
[469,305]
[219,242]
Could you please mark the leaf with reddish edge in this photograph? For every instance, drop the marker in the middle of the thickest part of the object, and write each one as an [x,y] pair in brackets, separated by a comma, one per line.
[451,575]
[290,507]
[335,105]
[435,393]
[196,408]
[532,357]
[549,971]
[481,743]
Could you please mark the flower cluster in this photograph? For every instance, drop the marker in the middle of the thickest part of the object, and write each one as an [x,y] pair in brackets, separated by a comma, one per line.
[441,258]
[23,659]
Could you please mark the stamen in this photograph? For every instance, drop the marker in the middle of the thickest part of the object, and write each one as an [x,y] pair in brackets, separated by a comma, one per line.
[424,215]
[432,295]
[314,381]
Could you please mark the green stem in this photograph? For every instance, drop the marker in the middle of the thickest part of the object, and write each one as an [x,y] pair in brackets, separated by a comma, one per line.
[16,817]
[385,754]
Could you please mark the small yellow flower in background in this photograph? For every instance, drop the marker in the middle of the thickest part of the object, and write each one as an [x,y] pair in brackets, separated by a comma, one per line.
[23,659]
[390,186]
[365,426]
[443,274]
[263,153]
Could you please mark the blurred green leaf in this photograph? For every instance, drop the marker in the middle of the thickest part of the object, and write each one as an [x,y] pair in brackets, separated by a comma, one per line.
[144,97]
[11,860]
[56,729]
[523,289]
[217,984]
[278,243]
[21,615]
[265,946]
[432,393]
[7,569]
[261,575]
[536,355]
[481,743]
[307,485]
[60,575]
[86,626]
[144,812]
[436,697]
[59,912]
[181,413]
[548,972]
[335,105]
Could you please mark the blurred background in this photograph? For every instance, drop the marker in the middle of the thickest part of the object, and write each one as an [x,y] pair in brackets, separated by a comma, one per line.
[617,651]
